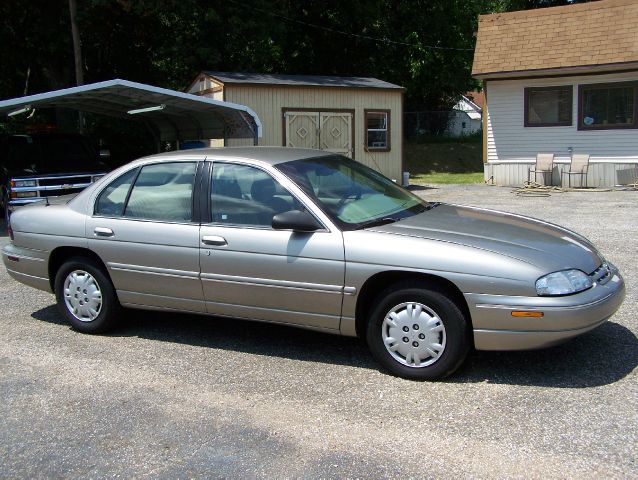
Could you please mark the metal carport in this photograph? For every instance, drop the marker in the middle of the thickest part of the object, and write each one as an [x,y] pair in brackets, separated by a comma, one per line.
[170,115]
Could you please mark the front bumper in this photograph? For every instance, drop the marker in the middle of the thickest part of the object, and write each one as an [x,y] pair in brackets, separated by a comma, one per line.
[563,317]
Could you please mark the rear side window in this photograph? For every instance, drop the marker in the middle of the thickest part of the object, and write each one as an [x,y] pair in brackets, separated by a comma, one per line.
[163,192]
[111,200]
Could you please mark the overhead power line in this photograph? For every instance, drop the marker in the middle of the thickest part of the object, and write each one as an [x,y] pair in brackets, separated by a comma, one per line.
[348,34]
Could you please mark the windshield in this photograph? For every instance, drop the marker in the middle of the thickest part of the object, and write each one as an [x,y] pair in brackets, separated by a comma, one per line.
[350,193]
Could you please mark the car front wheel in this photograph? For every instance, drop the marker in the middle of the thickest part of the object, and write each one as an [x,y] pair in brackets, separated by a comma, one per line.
[85,296]
[418,333]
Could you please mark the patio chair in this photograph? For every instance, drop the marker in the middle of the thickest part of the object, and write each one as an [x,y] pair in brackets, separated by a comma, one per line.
[578,166]
[544,165]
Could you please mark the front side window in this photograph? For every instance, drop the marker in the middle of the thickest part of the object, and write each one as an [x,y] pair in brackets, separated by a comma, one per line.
[548,106]
[377,130]
[245,195]
[163,192]
[351,194]
[607,106]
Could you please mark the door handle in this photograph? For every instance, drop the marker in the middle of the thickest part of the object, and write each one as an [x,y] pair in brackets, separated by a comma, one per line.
[103,232]
[214,240]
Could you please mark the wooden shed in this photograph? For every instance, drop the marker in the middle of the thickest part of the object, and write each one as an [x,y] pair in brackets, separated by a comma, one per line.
[354,116]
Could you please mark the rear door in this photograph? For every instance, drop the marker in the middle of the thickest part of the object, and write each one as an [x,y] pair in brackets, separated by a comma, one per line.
[143,230]
[251,270]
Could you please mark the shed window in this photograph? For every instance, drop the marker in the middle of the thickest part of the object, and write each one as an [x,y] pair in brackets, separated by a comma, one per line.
[607,106]
[548,106]
[377,130]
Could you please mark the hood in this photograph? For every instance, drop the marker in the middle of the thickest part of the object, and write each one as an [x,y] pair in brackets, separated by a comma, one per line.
[539,243]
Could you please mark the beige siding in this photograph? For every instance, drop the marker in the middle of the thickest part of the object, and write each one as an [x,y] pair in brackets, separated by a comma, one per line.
[268,101]
[509,140]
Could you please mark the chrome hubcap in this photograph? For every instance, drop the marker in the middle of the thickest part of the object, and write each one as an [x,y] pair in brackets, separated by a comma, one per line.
[82,296]
[413,334]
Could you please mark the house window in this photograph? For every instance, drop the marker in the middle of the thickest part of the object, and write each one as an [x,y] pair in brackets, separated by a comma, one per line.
[377,130]
[606,106]
[548,106]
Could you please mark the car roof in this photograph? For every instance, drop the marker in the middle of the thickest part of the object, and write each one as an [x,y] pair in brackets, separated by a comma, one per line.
[270,155]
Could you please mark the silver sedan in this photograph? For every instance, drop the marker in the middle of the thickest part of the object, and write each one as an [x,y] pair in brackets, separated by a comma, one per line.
[315,240]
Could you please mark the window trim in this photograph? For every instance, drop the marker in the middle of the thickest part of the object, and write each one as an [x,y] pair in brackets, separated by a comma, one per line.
[594,86]
[139,167]
[526,122]
[387,112]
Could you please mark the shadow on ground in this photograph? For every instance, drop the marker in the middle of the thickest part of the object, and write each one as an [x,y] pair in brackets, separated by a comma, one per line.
[600,357]
[414,187]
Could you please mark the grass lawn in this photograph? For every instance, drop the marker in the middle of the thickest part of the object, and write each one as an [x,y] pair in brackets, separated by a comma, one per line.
[444,162]
[425,178]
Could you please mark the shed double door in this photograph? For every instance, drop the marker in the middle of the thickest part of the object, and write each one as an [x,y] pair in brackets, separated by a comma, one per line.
[331,131]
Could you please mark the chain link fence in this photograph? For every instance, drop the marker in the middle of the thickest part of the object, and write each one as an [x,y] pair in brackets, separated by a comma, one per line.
[450,123]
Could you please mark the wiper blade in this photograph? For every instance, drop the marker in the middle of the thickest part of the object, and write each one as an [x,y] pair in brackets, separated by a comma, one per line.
[377,222]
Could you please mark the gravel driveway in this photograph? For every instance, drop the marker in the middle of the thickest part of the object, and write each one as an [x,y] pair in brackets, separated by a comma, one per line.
[183,396]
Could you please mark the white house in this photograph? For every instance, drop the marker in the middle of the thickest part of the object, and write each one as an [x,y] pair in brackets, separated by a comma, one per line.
[560,80]
[467,116]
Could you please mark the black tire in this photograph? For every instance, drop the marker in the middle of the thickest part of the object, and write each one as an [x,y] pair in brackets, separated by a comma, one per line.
[454,338]
[88,273]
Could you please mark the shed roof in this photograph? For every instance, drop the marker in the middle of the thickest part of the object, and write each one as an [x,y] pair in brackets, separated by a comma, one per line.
[598,35]
[182,117]
[300,80]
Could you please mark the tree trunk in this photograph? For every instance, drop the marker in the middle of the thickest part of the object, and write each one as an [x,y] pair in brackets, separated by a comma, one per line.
[77,48]
[77,53]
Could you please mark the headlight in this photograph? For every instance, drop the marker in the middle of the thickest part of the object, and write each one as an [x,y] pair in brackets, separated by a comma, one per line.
[563,283]
[23,183]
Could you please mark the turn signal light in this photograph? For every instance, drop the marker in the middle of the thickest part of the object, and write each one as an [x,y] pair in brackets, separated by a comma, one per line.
[522,313]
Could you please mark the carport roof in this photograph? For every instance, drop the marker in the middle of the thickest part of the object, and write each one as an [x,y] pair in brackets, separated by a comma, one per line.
[183,116]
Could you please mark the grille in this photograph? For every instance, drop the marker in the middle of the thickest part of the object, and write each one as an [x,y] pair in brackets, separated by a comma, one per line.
[59,192]
[602,274]
[45,182]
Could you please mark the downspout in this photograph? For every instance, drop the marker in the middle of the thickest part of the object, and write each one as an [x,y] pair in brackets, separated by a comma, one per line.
[484,120]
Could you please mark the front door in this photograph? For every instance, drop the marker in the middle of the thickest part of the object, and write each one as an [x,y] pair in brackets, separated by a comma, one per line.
[250,270]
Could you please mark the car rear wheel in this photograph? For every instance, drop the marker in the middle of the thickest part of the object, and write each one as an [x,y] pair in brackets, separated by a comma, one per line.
[418,333]
[85,296]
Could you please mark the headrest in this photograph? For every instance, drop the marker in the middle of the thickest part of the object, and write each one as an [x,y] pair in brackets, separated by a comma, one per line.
[263,190]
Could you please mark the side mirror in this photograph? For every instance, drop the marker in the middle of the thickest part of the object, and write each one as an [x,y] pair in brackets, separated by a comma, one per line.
[297,221]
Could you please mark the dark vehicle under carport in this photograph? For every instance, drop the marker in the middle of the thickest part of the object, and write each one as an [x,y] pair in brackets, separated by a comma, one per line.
[37,166]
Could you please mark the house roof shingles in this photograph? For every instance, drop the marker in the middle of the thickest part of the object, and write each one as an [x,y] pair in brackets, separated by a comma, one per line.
[574,36]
